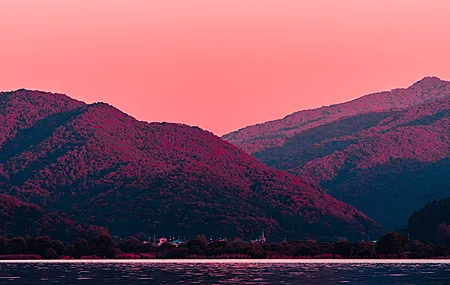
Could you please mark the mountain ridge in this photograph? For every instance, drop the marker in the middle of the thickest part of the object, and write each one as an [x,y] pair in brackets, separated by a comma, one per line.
[386,163]
[274,133]
[103,167]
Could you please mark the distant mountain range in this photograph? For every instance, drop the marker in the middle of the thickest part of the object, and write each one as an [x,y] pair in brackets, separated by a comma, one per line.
[386,153]
[94,165]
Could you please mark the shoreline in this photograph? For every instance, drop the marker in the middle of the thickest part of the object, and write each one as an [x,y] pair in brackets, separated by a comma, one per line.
[246,261]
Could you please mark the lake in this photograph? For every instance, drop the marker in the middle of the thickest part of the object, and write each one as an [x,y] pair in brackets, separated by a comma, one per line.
[226,272]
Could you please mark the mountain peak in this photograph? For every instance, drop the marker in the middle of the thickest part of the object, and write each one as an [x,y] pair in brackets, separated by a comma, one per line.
[273,134]
[429,82]
[37,97]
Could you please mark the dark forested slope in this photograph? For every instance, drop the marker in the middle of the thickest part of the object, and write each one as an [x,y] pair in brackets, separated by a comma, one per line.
[18,218]
[101,166]
[385,162]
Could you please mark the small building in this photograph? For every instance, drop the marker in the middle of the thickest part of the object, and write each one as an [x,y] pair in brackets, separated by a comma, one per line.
[177,242]
[162,241]
[261,239]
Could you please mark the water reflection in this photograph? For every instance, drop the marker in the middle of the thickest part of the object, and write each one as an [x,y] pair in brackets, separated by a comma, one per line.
[223,273]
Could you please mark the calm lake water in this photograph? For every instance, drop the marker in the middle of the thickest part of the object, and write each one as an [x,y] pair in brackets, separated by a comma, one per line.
[225,272]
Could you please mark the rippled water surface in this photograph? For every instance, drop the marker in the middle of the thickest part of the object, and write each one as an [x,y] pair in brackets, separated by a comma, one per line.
[223,273]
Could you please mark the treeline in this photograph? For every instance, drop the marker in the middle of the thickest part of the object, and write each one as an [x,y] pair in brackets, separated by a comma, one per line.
[431,223]
[44,247]
[391,245]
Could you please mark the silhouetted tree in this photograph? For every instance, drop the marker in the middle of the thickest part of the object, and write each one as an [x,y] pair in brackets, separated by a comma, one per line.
[392,243]
[325,248]
[81,248]
[257,251]
[50,253]
[176,253]
[420,250]
[17,245]
[3,245]
[130,245]
[343,248]
[103,247]
[364,249]
[443,234]
[441,250]
[303,250]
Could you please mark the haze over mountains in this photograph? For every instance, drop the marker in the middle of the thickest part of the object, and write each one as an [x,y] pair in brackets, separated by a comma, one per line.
[101,167]
[386,153]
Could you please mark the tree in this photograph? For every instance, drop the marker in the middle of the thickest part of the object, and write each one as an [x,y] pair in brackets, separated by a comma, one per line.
[443,234]
[148,247]
[364,249]
[166,245]
[140,236]
[303,250]
[59,247]
[81,248]
[17,245]
[392,243]
[3,245]
[257,251]
[39,245]
[203,239]
[103,246]
[343,248]
[441,250]
[130,245]
[50,253]
[420,250]
[176,253]
[196,243]
[325,247]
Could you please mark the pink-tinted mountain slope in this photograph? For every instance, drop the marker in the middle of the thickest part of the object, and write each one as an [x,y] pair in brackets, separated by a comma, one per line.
[22,108]
[275,133]
[391,168]
[386,164]
[103,167]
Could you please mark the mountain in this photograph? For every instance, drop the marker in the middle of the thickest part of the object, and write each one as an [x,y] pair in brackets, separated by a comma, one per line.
[386,159]
[276,133]
[18,218]
[103,167]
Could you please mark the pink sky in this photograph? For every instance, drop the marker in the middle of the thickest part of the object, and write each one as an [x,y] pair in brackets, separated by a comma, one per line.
[221,64]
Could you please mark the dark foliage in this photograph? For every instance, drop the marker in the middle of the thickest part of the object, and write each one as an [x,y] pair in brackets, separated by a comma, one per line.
[80,248]
[103,247]
[363,249]
[420,250]
[391,245]
[20,218]
[430,224]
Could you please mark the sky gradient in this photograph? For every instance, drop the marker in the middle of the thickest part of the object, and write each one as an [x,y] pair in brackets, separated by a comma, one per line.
[221,64]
